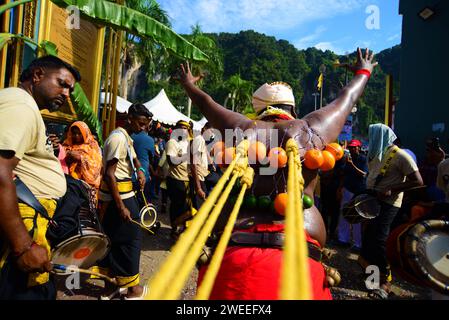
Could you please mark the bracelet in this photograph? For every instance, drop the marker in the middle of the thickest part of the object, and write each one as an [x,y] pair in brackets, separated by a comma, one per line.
[142,169]
[28,248]
[363,71]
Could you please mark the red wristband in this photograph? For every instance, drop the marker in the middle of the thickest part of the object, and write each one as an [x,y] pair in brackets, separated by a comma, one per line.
[363,71]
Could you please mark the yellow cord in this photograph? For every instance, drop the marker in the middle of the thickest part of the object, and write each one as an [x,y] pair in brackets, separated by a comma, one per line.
[188,264]
[295,282]
[204,290]
[162,280]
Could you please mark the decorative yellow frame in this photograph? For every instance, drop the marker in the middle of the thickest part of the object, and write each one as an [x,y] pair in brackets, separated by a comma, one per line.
[45,28]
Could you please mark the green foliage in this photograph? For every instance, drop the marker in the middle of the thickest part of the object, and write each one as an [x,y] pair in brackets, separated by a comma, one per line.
[10,5]
[240,93]
[258,58]
[124,18]
[85,112]
[251,59]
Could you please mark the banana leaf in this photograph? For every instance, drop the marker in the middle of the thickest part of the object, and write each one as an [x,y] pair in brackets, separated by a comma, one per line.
[85,112]
[10,5]
[6,37]
[49,48]
[123,18]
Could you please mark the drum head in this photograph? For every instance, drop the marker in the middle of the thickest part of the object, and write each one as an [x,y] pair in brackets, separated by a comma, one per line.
[427,244]
[82,251]
[360,208]
[367,206]
[148,216]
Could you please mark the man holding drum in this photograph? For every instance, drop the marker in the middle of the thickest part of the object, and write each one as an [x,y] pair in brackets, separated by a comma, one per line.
[25,152]
[118,203]
[391,171]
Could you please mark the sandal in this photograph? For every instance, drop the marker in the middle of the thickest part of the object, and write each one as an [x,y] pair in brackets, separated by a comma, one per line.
[145,291]
[118,291]
[378,294]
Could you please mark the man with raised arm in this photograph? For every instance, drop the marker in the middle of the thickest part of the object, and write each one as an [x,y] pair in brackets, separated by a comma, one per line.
[252,263]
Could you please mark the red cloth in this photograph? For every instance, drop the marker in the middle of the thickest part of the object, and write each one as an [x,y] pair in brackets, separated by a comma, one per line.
[252,273]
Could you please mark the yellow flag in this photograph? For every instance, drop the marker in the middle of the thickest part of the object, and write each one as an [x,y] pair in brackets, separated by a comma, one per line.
[320,82]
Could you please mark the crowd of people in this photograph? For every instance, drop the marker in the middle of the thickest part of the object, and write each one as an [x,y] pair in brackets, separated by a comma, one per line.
[143,160]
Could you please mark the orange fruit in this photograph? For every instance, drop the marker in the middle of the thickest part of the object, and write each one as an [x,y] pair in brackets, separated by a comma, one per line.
[280,203]
[329,161]
[256,152]
[229,155]
[336,150]
[277,157]
[217,147]
[313,159]
[219,159]
[224,157]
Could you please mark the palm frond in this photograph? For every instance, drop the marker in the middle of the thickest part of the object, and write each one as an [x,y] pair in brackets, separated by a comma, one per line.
[10,5]
[124,18]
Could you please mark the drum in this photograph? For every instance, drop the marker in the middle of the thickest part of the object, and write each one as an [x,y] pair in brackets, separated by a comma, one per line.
[148,215]
[86,245]
[360,208]
[419,253]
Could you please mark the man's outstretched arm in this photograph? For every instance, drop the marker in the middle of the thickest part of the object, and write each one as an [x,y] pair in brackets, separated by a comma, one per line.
[329,121]
[219,117]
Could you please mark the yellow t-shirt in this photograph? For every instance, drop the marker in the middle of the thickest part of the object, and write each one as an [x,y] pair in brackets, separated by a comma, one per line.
[22,130]
[401,166]
[176,149]
[116,147]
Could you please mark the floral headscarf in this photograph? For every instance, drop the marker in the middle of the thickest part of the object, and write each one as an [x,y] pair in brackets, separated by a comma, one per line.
[89,168]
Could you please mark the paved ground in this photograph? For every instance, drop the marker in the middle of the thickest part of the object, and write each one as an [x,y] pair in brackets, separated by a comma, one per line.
[156,247]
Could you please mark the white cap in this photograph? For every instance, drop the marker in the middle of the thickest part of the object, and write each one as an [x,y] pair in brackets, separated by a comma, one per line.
[272,94]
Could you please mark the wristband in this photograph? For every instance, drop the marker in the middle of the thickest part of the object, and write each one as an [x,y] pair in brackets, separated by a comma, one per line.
[142,169]
[28,248]
[363,71]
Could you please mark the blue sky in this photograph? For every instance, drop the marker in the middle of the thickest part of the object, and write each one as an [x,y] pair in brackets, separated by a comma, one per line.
[338,25]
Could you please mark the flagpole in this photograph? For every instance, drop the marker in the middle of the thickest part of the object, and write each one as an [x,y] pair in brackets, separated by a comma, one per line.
[321,96]
[322,70]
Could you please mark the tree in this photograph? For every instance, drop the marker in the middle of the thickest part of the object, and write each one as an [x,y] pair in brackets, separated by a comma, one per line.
[138,52]
[213,68]
[240,92]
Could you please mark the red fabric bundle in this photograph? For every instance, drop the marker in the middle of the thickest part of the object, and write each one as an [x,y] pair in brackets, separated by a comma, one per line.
[252,273]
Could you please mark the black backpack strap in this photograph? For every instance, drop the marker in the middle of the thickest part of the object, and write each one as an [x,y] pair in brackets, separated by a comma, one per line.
[26,196]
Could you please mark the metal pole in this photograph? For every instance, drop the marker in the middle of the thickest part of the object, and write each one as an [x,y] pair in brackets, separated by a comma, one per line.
[322,70]
[321,95]
[315,95]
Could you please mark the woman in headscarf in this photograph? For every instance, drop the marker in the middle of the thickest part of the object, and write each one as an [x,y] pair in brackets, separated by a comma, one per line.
[391,171]
[83,155]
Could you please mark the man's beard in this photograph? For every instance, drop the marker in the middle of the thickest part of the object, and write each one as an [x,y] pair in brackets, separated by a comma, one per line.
[53,106]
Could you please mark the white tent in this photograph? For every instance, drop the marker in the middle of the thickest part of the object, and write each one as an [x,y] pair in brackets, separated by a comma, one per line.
[164,111]
[122,105]
[201,122]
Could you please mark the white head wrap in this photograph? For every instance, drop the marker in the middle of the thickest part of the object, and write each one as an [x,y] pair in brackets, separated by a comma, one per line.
[272,94]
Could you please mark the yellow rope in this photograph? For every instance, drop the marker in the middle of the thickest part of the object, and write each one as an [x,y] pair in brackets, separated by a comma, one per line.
[304,285]
[295,283]
[204,290]
[160,283]
[172,275]
[188,264]
[289,274]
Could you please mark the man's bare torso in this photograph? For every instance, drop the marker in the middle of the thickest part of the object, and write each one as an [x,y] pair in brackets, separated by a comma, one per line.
[272,184]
